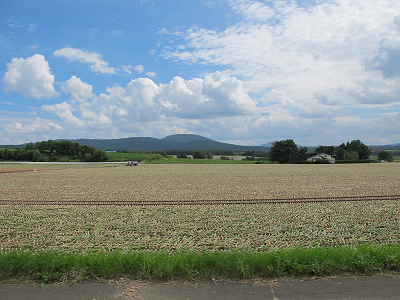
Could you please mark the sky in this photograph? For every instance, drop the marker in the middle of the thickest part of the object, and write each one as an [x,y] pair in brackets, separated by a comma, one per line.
[247,72]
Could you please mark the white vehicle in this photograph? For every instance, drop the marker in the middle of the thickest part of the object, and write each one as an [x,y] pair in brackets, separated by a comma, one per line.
[132,163]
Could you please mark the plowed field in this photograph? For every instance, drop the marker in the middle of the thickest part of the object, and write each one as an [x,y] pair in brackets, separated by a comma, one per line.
[111,226]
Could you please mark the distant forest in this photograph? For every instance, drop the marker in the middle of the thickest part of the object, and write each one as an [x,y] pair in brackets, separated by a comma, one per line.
[285,151]
[53,151]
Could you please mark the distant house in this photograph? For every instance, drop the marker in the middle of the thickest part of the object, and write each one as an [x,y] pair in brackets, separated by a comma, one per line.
[320,156]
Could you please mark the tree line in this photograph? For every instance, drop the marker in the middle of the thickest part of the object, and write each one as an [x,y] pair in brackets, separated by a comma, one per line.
[286,151]
[52,151]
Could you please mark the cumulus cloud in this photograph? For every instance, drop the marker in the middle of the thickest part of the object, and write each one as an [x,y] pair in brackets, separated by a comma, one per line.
[139,68]
[30,77]
[388,59]
[64,111]
[280,97]
[97,64]
[80,91]
[127,69]
[142,101]
[37,126]
[151,74]
[253,10]
[295,49]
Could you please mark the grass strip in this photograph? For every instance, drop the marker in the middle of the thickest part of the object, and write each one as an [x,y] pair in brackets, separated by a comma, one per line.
[49,266]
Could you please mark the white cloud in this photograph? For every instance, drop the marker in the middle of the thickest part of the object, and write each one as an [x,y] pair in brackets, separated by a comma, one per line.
[139,68]
[80,91]
[388,59]
[299,51]
[37,126]
[142,101]
[276,96]
[30,77]
[127,69]
[64,111]
[253,10]
[151,74]
[97,64]
[33,27]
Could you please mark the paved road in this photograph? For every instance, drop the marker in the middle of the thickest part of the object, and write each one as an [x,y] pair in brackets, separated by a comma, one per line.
[333,288]
[61,162]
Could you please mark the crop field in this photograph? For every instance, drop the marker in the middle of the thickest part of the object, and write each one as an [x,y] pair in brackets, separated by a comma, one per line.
[75,208]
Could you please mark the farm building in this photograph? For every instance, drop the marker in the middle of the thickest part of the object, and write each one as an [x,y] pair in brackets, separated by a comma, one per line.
[322,155]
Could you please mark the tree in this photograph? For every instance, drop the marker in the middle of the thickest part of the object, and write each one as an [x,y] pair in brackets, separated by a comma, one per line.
[353,155]
[385,155]
[362,149]
[99,155]
[354,146]
[302,155]
[340,153]
[29,146]
[284,151]
[199,154]
[325,149]
[19,154]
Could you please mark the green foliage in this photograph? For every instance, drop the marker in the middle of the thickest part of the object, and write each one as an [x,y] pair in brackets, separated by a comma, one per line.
[50,266]
[322,160]
[224,158]
[353,155]
[344,150]
[198,161]
[53,151]
[255,153]
[29,146]
[199,154]
[284,151]
[385,155]
[250,158]
[181,155]
[129,156]
[302,155]
[325,149]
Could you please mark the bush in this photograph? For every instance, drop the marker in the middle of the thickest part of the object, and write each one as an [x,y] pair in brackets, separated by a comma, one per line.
[198,154]
[321,160]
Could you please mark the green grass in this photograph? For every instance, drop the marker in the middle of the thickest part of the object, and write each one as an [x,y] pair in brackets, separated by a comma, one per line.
[54,266]
[117,156]
[171,160]
[158,159]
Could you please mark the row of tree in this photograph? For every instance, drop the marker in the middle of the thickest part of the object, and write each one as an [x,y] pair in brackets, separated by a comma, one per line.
[197,154]
[192,152]
[286,151]
[53,150]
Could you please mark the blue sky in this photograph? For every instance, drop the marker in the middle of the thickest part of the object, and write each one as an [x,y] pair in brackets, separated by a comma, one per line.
[239,71]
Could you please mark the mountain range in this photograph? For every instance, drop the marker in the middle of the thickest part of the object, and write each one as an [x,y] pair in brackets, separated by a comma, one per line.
[180,142]
[171,142]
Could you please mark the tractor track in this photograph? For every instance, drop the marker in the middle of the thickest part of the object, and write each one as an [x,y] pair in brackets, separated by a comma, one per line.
[198,202]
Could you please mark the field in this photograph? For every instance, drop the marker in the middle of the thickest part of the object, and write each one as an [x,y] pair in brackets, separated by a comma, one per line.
[44,224]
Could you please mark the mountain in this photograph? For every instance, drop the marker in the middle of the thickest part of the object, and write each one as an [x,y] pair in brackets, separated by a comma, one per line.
[269,144]
[385,147]
[184,138]
[171,142]
[179,142]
